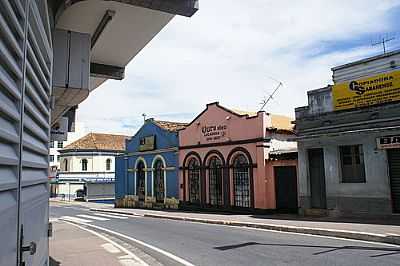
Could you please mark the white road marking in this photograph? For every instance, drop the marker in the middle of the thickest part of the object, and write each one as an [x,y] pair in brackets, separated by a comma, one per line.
[156,249]
[114,213]
[110,216]
[137,260]
[75,219]
[111,248]
[92,217]
[128,262]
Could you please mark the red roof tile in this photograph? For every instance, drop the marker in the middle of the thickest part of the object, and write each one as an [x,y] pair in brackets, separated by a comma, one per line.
[99,141]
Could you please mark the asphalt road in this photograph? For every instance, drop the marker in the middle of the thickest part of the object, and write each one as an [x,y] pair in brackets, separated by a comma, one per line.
[203,244]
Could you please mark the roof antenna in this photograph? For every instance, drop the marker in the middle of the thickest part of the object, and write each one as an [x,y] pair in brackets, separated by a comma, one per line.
[265,101]
[383,42]
[144,117]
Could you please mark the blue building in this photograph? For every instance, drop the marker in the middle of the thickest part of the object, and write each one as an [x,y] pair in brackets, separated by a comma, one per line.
[147,174]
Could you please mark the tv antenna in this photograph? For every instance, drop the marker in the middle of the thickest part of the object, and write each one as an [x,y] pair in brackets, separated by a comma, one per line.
[265,101]
[383,42]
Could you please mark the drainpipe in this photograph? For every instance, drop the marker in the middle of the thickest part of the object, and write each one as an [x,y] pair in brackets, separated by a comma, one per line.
[126,176]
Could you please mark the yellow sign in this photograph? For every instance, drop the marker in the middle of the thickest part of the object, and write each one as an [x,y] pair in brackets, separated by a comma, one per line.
[383,88]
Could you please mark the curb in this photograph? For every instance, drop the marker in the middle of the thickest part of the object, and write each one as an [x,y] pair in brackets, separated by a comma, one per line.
[371,237]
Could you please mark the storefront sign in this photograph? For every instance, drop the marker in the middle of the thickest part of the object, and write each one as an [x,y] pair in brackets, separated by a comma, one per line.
[374,90]
[147,143]
[389,142]
[215,132]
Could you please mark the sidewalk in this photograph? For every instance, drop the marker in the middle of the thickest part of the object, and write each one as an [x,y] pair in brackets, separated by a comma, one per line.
[386,231]
[71,245]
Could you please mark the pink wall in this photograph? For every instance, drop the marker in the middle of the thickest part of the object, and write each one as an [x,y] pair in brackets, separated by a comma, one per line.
[215,129]
[217,125]
[237,128]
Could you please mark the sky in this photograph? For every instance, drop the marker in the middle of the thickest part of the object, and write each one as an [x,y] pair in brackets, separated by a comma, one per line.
[236,52]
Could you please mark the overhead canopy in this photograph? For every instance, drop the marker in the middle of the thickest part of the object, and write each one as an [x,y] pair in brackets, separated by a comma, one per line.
[120,29]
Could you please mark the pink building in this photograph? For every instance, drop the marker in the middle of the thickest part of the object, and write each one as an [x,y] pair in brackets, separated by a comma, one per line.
[233,159]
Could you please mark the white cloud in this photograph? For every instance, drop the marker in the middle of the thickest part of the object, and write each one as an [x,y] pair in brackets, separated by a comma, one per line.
[226,52]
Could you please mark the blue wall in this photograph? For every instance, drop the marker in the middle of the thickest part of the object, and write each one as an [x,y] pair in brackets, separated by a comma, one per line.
[124,180]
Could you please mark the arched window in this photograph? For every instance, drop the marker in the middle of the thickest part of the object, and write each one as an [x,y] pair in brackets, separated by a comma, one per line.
[159,179]
[108,164]
[65,165]
[241,181]
[84,164]
[194,180]
[140,180]
[215,181]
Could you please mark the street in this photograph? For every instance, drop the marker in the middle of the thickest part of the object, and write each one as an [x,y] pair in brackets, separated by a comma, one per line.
[179,242]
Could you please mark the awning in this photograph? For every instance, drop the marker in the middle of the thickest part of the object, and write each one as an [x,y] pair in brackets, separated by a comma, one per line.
[119,29]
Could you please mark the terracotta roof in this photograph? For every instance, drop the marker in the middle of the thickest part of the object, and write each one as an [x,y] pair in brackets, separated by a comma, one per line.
[99,141]
[170,126]
[281,122]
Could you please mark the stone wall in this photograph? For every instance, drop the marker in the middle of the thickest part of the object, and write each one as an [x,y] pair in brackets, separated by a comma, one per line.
[132,201]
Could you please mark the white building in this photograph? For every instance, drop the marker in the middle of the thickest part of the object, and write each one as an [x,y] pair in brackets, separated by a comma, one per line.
[87,167]
[55,146]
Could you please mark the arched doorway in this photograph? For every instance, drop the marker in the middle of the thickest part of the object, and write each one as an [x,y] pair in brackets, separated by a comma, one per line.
[215,181]
[159,181]
[140,181]
[241,181]
[194,180]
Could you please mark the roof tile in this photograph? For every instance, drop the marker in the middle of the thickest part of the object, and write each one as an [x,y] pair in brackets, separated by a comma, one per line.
[99,141]
[170,126]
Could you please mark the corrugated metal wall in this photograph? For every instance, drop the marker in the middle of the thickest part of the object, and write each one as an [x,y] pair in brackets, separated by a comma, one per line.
[367,67]
[25,88]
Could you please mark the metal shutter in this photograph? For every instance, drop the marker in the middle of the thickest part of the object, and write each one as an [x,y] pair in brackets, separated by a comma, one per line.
[394,169]
[25,86]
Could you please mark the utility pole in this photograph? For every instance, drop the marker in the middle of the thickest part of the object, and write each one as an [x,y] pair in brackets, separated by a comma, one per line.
[383,42]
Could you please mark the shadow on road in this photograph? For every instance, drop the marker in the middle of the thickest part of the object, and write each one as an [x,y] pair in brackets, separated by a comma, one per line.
[390,251]
[53,262]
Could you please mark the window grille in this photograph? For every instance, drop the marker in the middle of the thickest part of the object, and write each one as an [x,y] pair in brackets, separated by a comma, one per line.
[241,181]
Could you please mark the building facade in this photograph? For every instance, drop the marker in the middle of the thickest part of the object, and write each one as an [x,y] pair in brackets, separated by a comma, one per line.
[348,141]
[45,74]
[147,174]
[87,167]
[55,146]
[225,162]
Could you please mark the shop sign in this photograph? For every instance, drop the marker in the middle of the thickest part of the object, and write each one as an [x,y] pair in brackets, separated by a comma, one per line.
[147,143]
[214,132]
[383,88]
[389,142]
